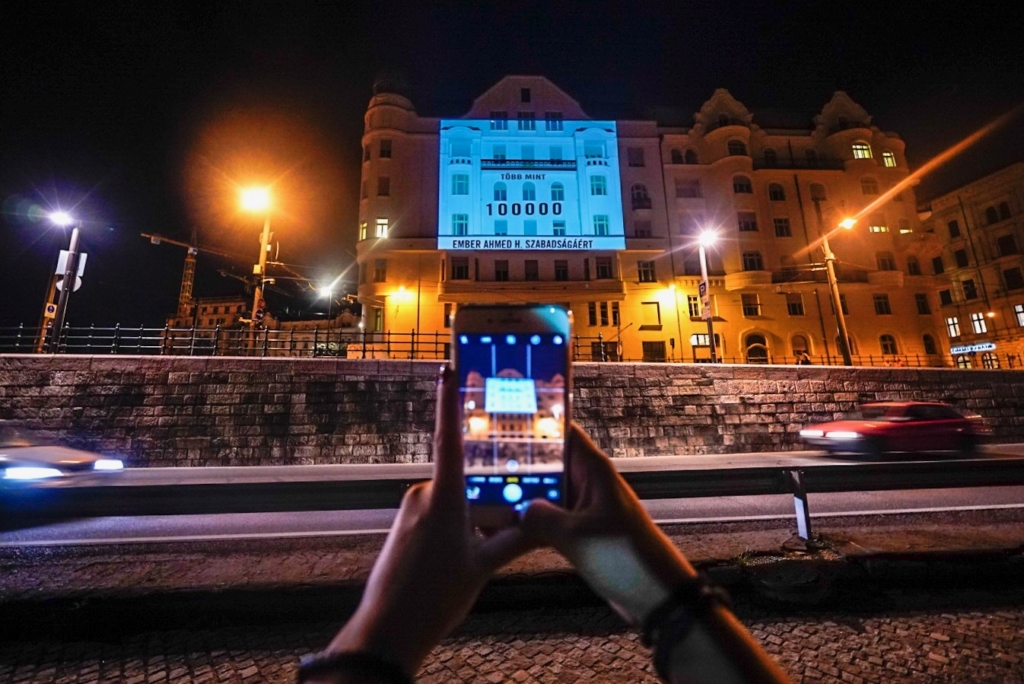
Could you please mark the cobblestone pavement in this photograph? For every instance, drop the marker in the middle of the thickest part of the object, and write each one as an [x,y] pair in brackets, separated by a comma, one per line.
[971,635]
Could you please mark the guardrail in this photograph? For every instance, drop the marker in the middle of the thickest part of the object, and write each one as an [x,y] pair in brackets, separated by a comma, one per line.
[268,493]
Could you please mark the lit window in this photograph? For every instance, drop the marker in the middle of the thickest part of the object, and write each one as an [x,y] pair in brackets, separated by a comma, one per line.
[869,186]
[381,229]
[752,261]
[499,121]
[598,185]
[989,360]
[460,224]
[878,224]
[741,185]
[378,320]
[978,323]
[782,228]
[527,121]
[364,230]
[500,192]
[557,192]
[737,148]
[460,184]
[861,150]
[776,193]
[1018,311]
[882,307]
[645,272]
[889,159]
[553,121]
[888,344]
[905,226]
[751,305]
[953,326]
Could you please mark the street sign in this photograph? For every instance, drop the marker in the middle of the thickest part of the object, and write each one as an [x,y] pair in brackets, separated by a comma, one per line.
[50,311]
[705,300]
[702,288]
[62,265]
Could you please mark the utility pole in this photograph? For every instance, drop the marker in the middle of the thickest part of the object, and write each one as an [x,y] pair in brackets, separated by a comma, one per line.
[833,286]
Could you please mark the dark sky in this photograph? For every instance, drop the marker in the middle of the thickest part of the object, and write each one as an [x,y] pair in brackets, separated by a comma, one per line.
[144,115]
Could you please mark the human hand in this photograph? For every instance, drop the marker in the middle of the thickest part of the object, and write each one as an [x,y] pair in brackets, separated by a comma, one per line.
[433,564]
[608,536]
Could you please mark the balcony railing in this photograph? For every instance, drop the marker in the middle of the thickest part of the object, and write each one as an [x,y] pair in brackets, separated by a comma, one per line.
[541,164]
[641,202]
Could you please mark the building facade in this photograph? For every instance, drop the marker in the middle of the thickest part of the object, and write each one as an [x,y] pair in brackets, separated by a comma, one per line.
[981,227]
[459,211]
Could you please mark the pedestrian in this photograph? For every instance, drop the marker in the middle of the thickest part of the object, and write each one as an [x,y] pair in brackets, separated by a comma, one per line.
[434,565]
[803,359]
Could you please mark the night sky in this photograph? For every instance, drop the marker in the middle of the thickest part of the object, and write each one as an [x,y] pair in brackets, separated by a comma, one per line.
[146,116]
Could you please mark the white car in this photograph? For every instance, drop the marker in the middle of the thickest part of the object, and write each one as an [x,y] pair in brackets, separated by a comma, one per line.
[27,458]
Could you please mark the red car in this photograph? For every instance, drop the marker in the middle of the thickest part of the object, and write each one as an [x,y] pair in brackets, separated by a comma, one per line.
[899,426]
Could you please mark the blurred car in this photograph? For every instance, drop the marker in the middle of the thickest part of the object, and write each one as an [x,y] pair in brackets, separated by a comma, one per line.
[909,426]
[27,457]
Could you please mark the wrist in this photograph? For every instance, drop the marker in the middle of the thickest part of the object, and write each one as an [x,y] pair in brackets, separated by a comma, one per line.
[363,634]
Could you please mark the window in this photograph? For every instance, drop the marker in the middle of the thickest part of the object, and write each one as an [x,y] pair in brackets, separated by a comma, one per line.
[937,266]
[1018,312]
[381,228]
[499,153]
[635,156]
[638,193]
[923,307]
[1007,245]
[960,256]
[945,297]
[529,227]
[757,348]
[812,159]
[978,323]
[991,215]
[500,227]
[888,344]
[527,122]
[500,192]
[529,192]
[795,304]
[385,148]
[380,270]
[448,314]
[913,265]
[886,261]
[677,156]
[557,192]
[527,152]
[460,148]
[499,121]
[592,313]
[598,185]
[741,185]
[929,344]
[1004,211]
[878,224]
[1013,278]
[751,304]
[604,268]
[771,160]
[555,152]
[693,305]
[593,150]
[383,186]
[524,95]
[687,188]
[843,305]
[460,224]
[378,320]
[882,307]
[953,326]
[989,360]
[501,270]
[558,228]
[869,186]
[601,224]
[861,150]
[645,272]
[561,269]
[782,228]
[954,229]
[650,315]
[654,352]
[905,226]
[889,159]
[970,289]
[747,221]
[818,192]
[460,184]
[776,193]
[616,320]
[364,230]
[691,157]
[642,229]
[752,261]
[531,270]
[553,121]
[737,148]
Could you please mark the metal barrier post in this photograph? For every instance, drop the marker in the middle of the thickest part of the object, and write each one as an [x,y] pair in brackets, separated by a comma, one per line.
[117,339]
[803,511]
[216,339]
[192,341]
[266,339]
[412,344]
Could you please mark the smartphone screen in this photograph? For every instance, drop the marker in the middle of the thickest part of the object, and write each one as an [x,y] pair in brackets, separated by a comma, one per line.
[514,401]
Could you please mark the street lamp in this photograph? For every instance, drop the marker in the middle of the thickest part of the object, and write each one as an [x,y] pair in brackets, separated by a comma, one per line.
[64,220]
[706,239]
[833,283]
[257,200]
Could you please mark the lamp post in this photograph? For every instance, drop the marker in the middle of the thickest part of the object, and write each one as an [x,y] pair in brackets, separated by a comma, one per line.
[833,283]
[258,200]
[70,275]
[707,239]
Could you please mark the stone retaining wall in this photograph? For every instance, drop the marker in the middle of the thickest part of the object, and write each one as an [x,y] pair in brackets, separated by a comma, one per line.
[174,411]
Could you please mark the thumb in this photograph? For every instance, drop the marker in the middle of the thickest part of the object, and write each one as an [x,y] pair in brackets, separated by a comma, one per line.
[547,523]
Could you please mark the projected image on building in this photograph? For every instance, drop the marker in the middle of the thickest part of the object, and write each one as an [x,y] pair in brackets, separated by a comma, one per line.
[529,184]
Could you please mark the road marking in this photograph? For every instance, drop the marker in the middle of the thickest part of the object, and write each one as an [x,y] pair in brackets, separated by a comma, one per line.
[243,536]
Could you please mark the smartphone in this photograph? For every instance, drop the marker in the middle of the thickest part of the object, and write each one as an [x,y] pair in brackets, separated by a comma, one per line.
[515,390]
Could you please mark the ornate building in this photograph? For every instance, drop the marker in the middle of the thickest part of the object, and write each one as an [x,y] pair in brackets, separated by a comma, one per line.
[767,189]
[981,227]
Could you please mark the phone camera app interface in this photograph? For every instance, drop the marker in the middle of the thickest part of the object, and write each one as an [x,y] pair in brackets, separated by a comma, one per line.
[513,416]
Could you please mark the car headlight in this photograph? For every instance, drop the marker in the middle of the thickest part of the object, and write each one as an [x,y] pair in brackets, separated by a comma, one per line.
[812,433]
[844,434]
[108,464]
[30,473]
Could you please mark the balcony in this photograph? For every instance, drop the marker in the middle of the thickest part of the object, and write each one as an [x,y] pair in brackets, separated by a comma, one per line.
[539,164]
[890,280]
[471,291]
[641,202]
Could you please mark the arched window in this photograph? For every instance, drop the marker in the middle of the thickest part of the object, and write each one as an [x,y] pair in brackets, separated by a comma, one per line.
[868,186]
[989,360]
[1004,211]
[771,160]
[818,192]
[741,185]
[800,345]
[861,150]
[889,159]
[929,344]
[812,159]
[557,192]
[776,193]
[885,261]
[691,157]
[991,215]
[500,192]
[888,344]
[757,348]
[913,265]
[529,192]
[963,361]
[677,156]
[639,192]
[737,148]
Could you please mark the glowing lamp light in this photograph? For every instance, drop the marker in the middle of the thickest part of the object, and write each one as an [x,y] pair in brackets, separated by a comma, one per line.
[847,223]
[707,238]
[991,314]
[61,218]
[478,425]
[255,199]
[549,427]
